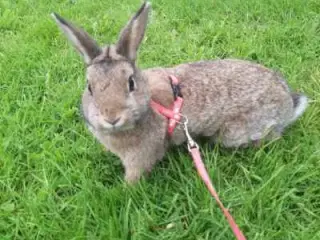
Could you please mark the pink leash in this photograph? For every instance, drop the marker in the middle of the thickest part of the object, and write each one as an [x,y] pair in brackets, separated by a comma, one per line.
[195,153]
[174,117]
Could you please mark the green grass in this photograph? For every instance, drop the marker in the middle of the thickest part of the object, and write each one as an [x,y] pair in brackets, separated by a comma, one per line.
[56,180]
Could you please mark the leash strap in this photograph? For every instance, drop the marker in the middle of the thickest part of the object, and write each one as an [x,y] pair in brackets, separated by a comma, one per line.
[203,173]
[205,177]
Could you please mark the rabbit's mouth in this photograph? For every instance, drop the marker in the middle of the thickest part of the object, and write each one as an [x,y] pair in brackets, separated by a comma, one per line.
[105,124]
[116,129]
[122,125]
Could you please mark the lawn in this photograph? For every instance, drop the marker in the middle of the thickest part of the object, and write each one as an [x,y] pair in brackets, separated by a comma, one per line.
[56,180]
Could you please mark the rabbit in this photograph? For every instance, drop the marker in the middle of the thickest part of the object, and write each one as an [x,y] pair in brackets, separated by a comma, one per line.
[233,102]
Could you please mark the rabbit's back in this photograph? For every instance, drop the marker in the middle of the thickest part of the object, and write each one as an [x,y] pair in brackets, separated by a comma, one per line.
[224,94]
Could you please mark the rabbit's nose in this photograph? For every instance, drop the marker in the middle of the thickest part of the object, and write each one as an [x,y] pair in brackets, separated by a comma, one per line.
[112,121]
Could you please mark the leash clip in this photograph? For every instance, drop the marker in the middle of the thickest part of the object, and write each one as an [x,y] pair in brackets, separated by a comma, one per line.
[191,143]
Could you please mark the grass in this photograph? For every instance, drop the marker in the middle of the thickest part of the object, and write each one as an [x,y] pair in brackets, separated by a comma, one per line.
[56,180]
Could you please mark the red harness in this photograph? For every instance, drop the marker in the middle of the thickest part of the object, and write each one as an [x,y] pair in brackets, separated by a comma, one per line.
[174,117]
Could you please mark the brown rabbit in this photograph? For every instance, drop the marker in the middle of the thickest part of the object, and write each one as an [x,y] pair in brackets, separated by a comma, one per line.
[233,101]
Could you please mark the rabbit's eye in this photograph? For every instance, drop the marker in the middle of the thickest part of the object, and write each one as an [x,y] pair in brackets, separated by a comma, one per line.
[89,88]
[131,84]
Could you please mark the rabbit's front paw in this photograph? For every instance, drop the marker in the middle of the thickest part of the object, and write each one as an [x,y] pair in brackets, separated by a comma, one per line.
[132,175]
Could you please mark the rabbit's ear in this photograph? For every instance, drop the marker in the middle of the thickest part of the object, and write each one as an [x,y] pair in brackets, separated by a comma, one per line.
[132,34]
[87,47]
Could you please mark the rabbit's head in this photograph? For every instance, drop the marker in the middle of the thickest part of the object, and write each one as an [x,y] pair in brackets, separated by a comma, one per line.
[117,90]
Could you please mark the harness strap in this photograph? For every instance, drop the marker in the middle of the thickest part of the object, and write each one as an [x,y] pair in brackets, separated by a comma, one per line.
[173,114]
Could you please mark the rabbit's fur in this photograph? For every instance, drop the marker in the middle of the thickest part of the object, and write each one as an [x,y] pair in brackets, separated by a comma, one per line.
[232,101]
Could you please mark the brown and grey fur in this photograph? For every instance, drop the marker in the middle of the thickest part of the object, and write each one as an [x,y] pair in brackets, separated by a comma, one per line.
[232,101]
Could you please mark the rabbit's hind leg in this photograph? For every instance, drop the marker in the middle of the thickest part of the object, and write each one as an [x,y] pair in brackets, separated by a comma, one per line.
[241,133]
[234,133]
